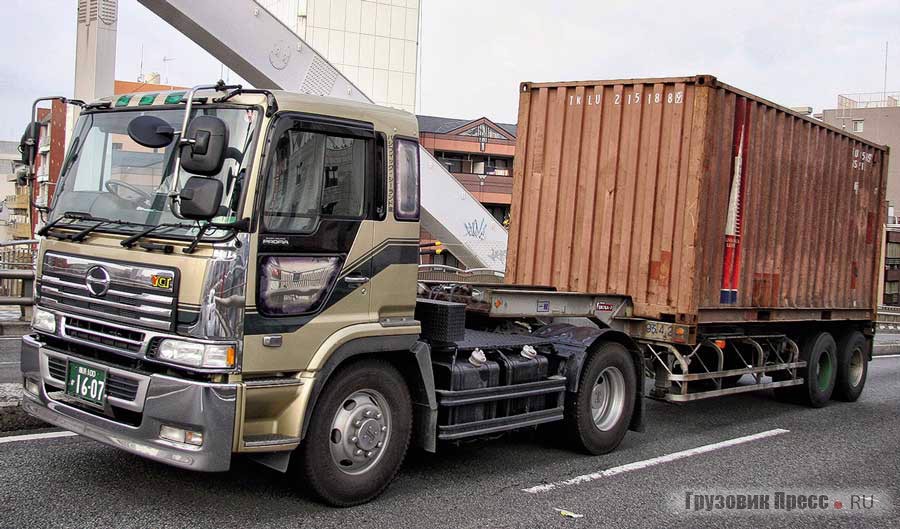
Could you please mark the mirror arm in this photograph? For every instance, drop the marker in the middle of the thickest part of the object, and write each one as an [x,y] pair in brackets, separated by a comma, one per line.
[182,141]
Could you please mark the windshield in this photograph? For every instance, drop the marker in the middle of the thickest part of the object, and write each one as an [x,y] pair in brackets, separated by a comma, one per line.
[110,176]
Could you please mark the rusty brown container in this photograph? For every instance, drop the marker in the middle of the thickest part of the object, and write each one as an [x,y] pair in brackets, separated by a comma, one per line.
[702,202]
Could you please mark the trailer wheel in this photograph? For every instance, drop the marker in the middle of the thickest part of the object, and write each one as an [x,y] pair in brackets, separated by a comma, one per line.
[820,354]
[358,434]
[597,416]
[852,367]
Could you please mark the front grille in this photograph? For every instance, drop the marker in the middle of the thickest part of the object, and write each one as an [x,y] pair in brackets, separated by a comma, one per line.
[57,368]
[105,336]
[121,387]
[117,386]
[130,298]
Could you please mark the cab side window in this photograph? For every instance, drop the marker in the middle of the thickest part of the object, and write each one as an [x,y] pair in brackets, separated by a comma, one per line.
[314,175]
[406,179]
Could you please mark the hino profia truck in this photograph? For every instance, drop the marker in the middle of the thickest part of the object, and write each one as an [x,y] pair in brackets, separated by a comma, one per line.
[227,271]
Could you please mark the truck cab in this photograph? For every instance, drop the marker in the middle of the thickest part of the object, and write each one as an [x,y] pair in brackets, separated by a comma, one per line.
[208,256]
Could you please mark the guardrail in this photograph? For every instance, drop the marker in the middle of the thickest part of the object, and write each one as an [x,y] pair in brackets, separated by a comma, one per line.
[450,274]
[17,275]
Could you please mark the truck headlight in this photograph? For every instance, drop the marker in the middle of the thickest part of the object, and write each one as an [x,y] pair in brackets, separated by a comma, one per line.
[196,354]
[43,320]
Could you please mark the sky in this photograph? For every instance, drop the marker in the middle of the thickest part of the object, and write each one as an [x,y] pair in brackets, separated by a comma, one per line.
[474,53]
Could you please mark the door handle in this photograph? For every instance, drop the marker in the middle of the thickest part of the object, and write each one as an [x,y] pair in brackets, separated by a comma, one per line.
[356,280]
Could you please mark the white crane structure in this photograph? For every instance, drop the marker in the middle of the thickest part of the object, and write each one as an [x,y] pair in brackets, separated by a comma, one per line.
[256,45]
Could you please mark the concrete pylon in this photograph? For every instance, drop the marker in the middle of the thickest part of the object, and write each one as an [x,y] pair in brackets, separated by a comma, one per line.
[95,48]
[95,54]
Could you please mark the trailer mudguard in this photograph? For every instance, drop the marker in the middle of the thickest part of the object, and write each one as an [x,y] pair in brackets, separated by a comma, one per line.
[575,343]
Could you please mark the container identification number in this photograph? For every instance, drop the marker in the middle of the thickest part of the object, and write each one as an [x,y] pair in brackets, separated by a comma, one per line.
[631,98]
[861,159]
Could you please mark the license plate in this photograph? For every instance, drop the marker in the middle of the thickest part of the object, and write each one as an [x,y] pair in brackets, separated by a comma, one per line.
[86,383]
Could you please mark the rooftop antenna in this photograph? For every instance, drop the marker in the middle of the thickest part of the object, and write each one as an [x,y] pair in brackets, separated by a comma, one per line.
[141,68]
[884,88]
[166,61]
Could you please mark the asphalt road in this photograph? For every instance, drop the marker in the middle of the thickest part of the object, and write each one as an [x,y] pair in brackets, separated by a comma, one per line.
[841,449]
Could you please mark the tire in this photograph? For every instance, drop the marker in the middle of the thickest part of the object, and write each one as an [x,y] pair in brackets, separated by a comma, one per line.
[852,367]
[598,415]
[820,354]
[363,404]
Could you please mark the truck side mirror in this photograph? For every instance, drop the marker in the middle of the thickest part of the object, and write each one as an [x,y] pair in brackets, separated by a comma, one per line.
[150,131]
[200,198]
[203,147]
[29,143]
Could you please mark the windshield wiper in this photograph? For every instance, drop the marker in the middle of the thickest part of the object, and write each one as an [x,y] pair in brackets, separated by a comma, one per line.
[241,225]
[83,232]
[48,231]
[72,215]
[165,248]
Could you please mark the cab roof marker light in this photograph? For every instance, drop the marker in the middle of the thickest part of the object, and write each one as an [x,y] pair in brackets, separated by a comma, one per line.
[123,101]
[147,99]
[174,98]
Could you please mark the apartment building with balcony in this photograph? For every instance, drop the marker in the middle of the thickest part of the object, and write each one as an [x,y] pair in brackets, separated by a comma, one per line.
[479,154]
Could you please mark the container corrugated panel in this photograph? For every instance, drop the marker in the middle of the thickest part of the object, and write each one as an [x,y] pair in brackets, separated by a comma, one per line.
[700,201]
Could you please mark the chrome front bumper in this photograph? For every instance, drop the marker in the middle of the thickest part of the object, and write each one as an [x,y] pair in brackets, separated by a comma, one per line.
[197,406]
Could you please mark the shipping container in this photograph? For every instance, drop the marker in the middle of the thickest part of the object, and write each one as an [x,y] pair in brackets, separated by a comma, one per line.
[702,202]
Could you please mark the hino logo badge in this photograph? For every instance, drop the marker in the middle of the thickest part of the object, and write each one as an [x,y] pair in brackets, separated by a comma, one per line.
[97,280]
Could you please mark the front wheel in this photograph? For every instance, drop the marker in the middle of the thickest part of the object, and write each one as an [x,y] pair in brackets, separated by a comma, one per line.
[598,415]
[358,434]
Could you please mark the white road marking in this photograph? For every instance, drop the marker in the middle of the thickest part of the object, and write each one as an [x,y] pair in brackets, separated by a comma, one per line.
[640,465]
[35,436]
[9,363]
[876,357]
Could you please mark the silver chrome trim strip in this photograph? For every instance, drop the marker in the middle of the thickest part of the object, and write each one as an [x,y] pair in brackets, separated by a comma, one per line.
[153,298]
[100,301]
[156,324]
[66,326]
[130,274]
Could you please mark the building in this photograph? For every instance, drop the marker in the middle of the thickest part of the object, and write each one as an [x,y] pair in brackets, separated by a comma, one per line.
[479,154]
[13,204]
[891,295]
[374,43]
[875,117]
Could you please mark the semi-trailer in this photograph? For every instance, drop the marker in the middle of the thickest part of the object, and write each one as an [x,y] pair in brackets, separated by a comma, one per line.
[228,271]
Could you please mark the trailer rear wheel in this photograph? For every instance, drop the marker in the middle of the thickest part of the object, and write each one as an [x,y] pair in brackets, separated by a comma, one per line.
[820,354]
[598,415]
[852,367]
[358,434]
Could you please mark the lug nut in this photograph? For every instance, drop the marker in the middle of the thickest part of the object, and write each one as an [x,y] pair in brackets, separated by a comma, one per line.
[368,413]
[380,444]
[357,423]
[354,439]
[359,452]
[368,454]
[377,415]
[384,428]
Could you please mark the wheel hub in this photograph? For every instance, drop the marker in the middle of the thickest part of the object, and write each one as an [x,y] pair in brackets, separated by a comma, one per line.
[359,431]
[608,398]
[369,434]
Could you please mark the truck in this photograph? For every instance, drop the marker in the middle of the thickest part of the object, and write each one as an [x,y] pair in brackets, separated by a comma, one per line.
[230,272]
